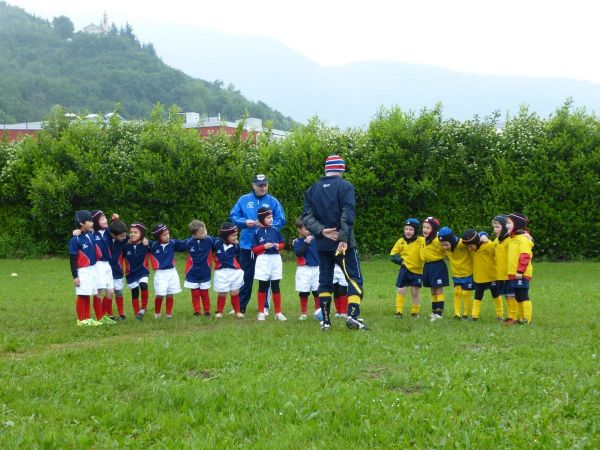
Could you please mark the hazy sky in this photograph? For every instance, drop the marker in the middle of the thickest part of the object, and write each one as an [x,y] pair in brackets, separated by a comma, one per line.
[511,37]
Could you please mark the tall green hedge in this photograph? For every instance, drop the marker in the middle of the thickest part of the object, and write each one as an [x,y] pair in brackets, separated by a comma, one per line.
[402,165]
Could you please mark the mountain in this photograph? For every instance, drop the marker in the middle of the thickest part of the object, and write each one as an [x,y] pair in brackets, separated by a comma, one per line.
[350,95]
[44,64]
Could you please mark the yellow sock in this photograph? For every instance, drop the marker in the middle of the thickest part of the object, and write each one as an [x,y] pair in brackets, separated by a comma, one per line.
[499,306]
[438,297]
[415,309]
[457,300]
[512,308]
[399,302]
[466,296]
[527,310]
[476,309]
[520,312]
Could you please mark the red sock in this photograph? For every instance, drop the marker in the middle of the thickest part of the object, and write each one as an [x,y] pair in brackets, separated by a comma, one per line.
[108,307]
[87,309]
[169,304]
[344,304]
[196,300]
[235,302]
[157,304]
[304,305]
[262,296]
[145,299]
[120,308]
[338,304]
[277,302]
[205,300]
[80,306]
[136,305]
[221,302]
[98,307]
[317,301]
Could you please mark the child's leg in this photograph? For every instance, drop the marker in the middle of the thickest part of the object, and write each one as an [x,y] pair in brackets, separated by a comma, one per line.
[457,300]
[221,299]
[437,300]
[303,302]
[496,295]
[206,300]
[98,309]
[263,287]
[479,291]
[170,302]
[316,299]
[145,293]
[235,301]
[524,304]
[135,303]
[336,298]
[400,296]
[119,302]
[80,303]
[511,306]
[343,293]
[276,296]
[196,301]
[468,303]
[416,300]
[158,305]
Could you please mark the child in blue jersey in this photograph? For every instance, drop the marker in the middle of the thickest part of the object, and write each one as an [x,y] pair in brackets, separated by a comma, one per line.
[198,266]
[166,278]
[83,254]
[229,277]
[135,254]
[104,278]
[267,242]
[118,239]
[307,270]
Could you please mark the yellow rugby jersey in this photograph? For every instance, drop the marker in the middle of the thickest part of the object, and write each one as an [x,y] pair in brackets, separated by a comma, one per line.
[410,253]
[461,261]
[518,245]
[433,251]
[484,263]
[501,259]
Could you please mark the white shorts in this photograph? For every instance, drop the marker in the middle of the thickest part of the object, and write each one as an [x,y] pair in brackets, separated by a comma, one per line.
[307,278]
[104,278]
[166,282]
[226,280]
[137,283]
[338,276]
[87,281]
[268,267]
[201,286]
[118,283]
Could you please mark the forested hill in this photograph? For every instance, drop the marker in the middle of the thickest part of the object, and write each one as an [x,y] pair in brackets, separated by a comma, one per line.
[44,63]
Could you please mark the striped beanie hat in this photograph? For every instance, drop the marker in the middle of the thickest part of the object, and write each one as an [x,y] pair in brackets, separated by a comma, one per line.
[140,226]
[158,230]
[335,163]
[263,213]
[226,230]
[520,221]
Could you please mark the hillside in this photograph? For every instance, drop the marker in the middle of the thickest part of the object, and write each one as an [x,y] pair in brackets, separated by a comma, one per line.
[44,63]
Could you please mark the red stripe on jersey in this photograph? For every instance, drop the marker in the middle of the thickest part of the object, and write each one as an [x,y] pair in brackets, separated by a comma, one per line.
[301,260]
[98,252]
[155,263]
[236,264]
[82,260]
[126,266]
[189,263]
[146,260]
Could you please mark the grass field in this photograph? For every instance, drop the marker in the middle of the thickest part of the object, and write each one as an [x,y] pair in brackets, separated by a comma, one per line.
[205,383]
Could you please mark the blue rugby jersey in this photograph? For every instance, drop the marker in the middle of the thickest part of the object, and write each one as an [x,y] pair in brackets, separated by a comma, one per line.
[102,239]
[306,254]
[226,255]
[162,256]
[264,235]
[247,208]
[115,248]
[199,260]
[136,261]
[85,248]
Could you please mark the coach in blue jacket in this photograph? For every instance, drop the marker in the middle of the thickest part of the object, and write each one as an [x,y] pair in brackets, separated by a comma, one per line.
[329,212]
[244,216]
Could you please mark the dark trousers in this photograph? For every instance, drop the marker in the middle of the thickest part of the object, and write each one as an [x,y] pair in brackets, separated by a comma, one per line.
[350,267]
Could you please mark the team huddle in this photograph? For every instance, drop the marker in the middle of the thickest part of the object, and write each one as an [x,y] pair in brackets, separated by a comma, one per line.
[502,266]
[104,257]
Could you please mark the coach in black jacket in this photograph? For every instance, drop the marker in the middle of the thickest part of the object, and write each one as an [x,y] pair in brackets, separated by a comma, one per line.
[329,212]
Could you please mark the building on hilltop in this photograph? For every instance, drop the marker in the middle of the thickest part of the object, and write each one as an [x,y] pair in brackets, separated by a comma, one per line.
[92,28]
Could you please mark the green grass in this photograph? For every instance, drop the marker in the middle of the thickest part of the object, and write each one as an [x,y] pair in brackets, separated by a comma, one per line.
[229,383]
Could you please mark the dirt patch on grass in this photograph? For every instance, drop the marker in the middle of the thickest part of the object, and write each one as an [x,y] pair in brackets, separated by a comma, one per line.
[202,374]
[375,372]
[408,390]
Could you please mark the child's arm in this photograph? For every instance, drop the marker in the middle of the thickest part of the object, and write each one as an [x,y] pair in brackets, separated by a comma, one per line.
[73,251]
[395,253]
[300,247]
[180,246]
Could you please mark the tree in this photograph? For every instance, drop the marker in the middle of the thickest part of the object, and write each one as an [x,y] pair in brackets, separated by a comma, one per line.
[63,26]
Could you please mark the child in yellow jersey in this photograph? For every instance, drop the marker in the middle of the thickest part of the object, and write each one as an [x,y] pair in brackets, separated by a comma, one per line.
[484,271]
[520,269]
[461,264]
[501,243]
[407,253]
[435,272]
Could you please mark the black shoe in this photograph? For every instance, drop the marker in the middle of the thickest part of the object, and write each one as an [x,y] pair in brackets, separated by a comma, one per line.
[140,315]
[458,318]
[197,314]
[121,317]
[465,317]
[474,319]
[398,315]
[415,315]
[355,324]
[206,314]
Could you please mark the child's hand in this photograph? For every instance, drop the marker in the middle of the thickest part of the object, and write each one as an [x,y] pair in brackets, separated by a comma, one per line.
[484,239]
[309,239]
[115,216]
[76,232]
[76,282]
[145,242]
[269,245]
[519,276]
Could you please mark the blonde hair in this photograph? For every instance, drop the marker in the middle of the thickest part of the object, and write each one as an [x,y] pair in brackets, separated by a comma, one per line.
[195,226]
